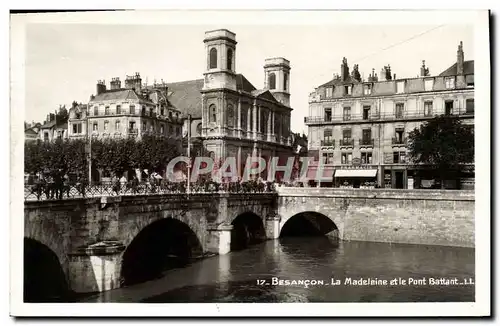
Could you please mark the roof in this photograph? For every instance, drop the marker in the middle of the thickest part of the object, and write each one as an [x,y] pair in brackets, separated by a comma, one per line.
[185,96]
[452,71]
[243,84]
[48,125]
[119,94]
[30,131]
[51,124]
[338,81]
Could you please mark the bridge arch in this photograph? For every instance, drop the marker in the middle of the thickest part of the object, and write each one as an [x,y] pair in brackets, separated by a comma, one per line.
[163,244]
[248,229]
[45,279]
[309,223]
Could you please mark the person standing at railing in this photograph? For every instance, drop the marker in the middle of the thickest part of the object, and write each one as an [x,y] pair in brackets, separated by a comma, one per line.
[66,185]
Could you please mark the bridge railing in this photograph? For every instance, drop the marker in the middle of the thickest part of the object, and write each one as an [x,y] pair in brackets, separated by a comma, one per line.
[52,191]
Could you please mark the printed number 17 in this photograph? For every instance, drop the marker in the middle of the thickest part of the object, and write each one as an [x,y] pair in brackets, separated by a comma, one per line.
[261,282]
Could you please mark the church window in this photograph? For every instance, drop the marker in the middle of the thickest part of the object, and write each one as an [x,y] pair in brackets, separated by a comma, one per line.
[272,81]
[213,58]
[212,112]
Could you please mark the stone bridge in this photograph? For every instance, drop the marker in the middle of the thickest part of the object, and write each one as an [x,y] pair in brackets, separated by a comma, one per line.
[97,244]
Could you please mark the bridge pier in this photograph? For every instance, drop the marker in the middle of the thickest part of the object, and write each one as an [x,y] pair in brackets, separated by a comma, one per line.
[273,226]
[219,238]
[96,268]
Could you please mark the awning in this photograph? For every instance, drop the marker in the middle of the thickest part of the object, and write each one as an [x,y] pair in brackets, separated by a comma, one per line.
[359,173]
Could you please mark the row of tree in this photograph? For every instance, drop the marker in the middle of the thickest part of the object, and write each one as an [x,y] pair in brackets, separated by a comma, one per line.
[112,155]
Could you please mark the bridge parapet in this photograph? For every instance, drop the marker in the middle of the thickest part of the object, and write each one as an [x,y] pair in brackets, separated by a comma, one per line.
[430,194]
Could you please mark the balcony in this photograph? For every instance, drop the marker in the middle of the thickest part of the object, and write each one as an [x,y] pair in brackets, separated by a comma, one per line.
[328,142]
[346,142]
[396,142]
[385,116]
[327,145]
[366,142]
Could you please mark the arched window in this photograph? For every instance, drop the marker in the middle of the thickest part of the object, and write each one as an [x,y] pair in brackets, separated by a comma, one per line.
[229,59]
[272,81]
[213,58]
[285,81]
[198,129]
[212,113]
[230,116]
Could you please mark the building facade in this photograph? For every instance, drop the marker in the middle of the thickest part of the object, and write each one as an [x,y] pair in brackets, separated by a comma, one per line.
[132,111]
[237,119]
[358,129]
[53,129]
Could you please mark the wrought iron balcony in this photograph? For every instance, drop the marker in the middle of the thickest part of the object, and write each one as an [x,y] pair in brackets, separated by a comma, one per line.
[366,142]
[347,142]
[328,142]
[374,116]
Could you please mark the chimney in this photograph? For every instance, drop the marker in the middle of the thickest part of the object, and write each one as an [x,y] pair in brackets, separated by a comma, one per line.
[460,59]
[101,87]
[115,83]
[355,73]
[394,78]
[134,82]
[388,72]
[344,70]
[382,74]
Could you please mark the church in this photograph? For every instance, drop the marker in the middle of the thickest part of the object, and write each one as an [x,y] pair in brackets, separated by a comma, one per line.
[230,117]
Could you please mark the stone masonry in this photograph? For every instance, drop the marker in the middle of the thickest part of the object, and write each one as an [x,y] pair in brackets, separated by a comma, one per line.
[89,236]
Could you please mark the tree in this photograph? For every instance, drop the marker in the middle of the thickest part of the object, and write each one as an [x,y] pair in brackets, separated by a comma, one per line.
[445,144]
[62,114]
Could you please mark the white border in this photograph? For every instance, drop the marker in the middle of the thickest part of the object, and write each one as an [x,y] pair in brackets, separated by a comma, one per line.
[482,99]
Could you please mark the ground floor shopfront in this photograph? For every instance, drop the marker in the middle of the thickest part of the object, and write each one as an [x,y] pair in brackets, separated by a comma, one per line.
[386,176]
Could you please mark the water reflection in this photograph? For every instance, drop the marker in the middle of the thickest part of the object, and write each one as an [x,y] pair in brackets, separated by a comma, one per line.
[234,277]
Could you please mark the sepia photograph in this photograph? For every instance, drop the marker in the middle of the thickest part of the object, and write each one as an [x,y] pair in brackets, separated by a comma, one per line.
[248,163]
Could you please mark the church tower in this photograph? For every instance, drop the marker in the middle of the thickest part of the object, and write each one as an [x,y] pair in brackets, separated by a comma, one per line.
[220,46]
[277,79]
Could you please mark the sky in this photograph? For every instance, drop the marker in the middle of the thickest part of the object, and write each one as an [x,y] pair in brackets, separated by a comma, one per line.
[64,61]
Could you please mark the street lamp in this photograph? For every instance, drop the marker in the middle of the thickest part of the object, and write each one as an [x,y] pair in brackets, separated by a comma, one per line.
[189,154]
[90,151]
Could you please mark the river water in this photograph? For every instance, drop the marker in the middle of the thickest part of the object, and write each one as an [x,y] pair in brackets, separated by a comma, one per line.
[260,274]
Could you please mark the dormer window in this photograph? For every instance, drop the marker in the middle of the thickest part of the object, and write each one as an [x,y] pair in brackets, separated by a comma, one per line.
[400,87]
[428,85]
[367,89]
[329,91]
[449,82]
[469,80]
[347,89]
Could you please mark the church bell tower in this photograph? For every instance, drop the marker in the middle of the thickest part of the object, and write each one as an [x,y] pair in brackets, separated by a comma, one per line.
[220,46]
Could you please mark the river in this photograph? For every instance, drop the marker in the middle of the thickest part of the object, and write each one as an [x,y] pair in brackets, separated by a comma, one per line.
[367,272]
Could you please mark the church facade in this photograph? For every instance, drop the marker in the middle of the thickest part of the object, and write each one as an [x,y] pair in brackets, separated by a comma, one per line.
[237,119]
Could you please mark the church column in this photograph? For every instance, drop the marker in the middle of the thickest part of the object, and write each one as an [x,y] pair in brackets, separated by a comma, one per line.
[238,158]
[272,123]
[259,116]
[269,124]
[254,127]
[239,118]
[248,127]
